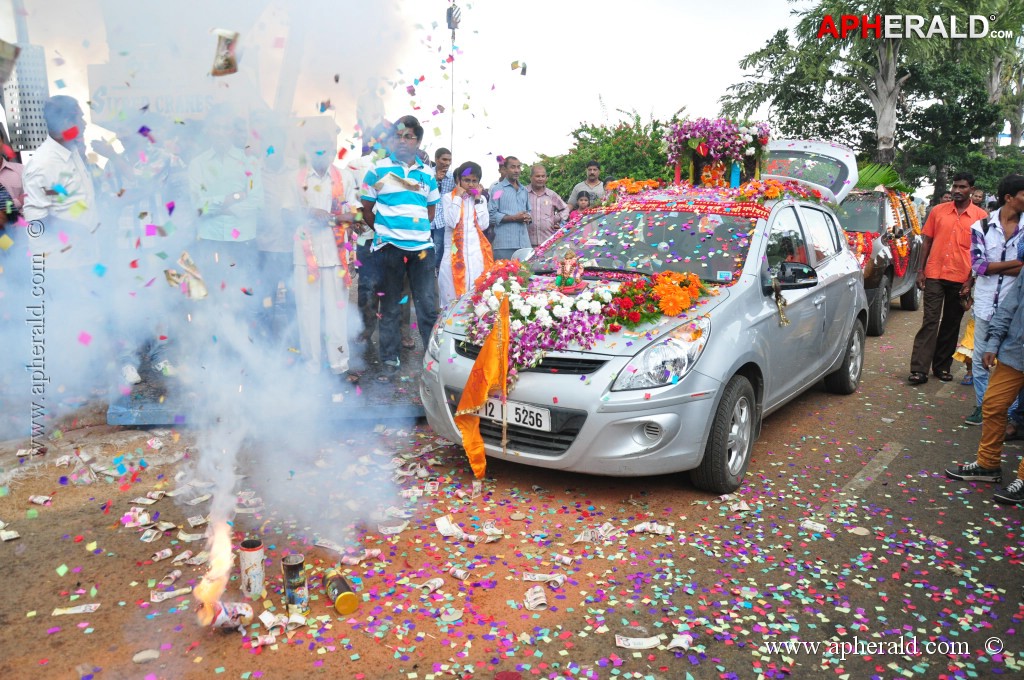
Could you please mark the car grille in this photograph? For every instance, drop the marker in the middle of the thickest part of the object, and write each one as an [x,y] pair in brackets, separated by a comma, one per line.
[565,426]
[549,364]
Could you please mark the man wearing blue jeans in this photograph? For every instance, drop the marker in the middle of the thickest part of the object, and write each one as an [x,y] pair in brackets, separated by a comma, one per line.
[399,197]
[995,263]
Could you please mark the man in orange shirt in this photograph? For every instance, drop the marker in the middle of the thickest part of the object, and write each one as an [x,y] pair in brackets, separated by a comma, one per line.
[945,279]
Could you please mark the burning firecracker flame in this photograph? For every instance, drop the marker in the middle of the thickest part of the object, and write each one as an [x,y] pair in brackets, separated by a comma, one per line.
[215,582]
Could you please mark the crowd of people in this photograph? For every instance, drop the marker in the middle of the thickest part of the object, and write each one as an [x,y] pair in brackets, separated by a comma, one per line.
[263,229]
[972,260]
[276,233]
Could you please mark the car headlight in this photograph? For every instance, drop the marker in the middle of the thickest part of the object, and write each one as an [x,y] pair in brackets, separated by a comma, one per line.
[434,343]
[666,361]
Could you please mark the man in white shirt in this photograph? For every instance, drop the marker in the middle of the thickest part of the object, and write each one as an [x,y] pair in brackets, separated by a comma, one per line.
[59,191]
[67,275]
[323,257]
[227,188]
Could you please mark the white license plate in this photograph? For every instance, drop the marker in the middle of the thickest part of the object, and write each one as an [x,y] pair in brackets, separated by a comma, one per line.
[519,413]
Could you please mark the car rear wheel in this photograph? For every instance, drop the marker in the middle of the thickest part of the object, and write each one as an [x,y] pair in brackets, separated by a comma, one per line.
[911,300]
[878,315]
[846,378]
[727,454]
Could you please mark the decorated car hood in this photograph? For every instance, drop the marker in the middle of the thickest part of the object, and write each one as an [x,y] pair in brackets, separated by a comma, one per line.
[459,316]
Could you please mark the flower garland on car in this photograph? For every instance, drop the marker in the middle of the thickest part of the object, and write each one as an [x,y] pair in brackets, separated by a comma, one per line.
[900,248]
[763,190]
[542,319]
[861,245]
[915,216]
[628,185]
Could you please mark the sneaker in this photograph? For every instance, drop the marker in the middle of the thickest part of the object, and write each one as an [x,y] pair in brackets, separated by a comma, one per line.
[166,368]
[130,375]
[974,418]
[972,472]
[1013,494]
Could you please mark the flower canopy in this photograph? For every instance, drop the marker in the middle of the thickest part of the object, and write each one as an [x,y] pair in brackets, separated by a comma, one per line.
[715,139]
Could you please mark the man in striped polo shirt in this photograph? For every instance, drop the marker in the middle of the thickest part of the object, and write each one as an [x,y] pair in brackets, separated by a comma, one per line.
[399,197]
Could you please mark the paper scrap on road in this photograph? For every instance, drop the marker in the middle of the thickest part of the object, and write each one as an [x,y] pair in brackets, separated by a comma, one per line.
[653,528]
[160,596]
[80,609]
[637,643]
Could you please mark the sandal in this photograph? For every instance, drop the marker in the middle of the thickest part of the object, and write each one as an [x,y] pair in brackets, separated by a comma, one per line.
[968,380]
[1012,433]
[409,343]
[944,376]
[917,378]
[388,373]
[353,377]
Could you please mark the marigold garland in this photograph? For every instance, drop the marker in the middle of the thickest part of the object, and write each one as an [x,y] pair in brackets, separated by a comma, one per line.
[900,248]
[629,185]
[861,245]
[763,190]
[915,217]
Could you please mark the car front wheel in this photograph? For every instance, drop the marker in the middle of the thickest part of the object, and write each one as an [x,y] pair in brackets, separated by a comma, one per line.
[727,453]
[846,378]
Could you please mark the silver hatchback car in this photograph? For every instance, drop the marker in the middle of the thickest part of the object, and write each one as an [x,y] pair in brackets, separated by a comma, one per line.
[683,392]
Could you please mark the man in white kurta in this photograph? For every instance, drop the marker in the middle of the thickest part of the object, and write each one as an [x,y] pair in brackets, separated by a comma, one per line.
[322,269]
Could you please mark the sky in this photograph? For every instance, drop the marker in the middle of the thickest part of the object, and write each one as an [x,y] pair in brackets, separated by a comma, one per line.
[584,63]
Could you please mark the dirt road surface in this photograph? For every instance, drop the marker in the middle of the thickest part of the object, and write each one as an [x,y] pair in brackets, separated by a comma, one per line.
[846,540]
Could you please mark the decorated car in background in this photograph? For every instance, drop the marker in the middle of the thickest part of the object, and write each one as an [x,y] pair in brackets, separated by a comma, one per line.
[883,228]
[881,221]
[653,335]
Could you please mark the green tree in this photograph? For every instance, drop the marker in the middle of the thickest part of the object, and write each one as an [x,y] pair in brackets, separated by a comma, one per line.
[856,66]
[630,148]
[1003,63]
[949,114]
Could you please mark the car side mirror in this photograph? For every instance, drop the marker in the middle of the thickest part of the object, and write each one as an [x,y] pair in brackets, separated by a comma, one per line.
[795,276]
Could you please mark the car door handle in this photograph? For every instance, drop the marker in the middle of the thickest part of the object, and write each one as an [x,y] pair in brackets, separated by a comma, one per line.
[818,300]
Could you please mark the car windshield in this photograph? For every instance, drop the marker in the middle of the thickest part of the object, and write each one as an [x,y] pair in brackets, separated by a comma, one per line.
[714,247]
[862,213]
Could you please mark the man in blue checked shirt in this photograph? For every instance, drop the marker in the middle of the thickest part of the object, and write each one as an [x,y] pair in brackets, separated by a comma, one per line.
[510,212]
[399,196]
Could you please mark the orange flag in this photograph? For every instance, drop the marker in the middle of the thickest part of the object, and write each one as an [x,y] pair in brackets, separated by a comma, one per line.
[490,370]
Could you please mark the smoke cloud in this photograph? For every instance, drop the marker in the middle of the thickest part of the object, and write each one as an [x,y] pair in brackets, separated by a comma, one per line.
[210,309]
